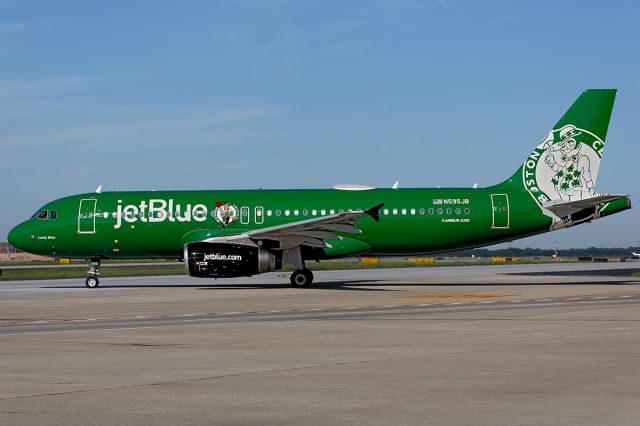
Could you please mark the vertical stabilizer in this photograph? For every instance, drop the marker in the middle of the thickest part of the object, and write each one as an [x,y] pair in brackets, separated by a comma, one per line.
[564,166]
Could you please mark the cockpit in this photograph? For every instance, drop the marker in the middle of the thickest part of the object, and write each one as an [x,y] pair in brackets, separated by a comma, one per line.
[45,215]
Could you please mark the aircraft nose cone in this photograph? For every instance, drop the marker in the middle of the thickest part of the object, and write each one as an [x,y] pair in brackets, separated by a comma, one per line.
[18,237]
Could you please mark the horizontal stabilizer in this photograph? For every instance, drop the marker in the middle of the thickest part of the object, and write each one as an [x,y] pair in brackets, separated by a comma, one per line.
[563,208]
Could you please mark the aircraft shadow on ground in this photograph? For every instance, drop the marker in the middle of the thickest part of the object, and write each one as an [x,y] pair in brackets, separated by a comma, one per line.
[359,285]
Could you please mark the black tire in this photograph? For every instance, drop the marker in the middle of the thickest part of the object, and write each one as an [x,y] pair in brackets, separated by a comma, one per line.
[301,278]
[92,282]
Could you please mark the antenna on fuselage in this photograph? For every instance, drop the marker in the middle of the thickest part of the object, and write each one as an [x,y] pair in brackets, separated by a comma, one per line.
[395,185]
[99,189]
[475,185]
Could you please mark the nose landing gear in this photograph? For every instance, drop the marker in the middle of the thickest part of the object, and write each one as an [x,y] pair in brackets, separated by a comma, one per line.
[92,280]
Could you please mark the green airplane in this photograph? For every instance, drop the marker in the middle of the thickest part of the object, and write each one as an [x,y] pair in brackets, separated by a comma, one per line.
[236,233]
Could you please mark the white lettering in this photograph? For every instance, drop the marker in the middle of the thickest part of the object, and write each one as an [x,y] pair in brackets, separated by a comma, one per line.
[157,210]
[171,218]
[187,213]
[218,256]
[143,211]
[598,146]
[118,215]
[158,206]
[130,213]
[199,213]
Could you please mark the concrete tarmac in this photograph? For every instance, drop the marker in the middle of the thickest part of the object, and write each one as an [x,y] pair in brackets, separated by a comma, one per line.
[490,345]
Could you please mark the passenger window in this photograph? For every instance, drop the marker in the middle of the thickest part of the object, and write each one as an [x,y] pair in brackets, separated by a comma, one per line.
[458,210]
[395,211]
[43,214]
[440,211]
[449,211]
[404,211]
[314,212]
[431,212]
[268,212]
[323,212]
[413,211]
[332,211]
[287,212]
[296,212]
[53,215]
[422,211]
[385,211]
[467,210]
[305,212]
[278,212]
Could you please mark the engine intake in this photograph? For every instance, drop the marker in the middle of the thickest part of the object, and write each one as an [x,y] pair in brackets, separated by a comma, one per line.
[225,260]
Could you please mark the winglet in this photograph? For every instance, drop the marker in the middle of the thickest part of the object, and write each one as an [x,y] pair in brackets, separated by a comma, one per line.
[374,212]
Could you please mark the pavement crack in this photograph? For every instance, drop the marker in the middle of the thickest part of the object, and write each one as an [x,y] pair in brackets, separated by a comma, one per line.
[197,379]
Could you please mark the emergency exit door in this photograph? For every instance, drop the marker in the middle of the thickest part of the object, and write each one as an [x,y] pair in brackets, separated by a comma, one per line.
[500,206]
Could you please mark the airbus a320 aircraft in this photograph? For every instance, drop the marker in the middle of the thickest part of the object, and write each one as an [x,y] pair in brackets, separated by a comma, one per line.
[236,233]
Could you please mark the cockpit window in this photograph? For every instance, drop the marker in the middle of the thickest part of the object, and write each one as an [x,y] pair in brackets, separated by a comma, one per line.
[43,214]
[53,214]
[36,214]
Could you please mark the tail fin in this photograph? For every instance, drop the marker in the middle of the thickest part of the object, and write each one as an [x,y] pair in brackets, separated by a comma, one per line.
[564,166]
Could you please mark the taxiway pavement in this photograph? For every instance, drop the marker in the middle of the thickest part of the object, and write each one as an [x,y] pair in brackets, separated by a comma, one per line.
[510,344]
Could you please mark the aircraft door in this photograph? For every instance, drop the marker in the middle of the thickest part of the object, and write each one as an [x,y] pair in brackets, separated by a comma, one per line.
[500,206]
[87,216]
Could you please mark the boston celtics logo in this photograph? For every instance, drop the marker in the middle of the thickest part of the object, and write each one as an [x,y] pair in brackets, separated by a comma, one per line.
[225,213]
[564,166]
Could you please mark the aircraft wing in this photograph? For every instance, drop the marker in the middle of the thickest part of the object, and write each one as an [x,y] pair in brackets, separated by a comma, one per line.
[311,232]
[564,208]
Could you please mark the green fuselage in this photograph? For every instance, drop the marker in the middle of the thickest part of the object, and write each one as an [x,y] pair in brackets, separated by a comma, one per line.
[158,224]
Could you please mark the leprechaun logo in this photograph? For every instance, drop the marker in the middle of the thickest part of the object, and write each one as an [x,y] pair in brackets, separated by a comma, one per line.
[564,166]
[225,213]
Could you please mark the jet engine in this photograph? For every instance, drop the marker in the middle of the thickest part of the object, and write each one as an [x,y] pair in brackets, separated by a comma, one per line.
[225,260]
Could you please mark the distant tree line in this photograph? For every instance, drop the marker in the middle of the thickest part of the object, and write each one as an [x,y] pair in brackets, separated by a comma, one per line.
[535,252]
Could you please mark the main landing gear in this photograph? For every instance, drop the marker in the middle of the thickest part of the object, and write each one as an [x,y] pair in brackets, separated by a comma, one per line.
[301,278]
[92,280]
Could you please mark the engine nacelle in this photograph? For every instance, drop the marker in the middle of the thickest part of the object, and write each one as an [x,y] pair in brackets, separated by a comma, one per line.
[225,260]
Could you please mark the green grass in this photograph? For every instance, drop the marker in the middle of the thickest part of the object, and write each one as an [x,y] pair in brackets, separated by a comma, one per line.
[81,272]
[79,262]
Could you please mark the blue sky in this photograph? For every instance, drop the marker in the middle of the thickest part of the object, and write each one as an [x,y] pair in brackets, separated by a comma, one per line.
[280,94]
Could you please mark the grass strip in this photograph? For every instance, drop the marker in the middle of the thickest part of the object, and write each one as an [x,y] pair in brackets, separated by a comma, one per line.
[55,272]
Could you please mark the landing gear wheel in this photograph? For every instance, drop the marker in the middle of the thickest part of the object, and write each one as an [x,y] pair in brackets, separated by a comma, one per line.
[301,278]
[94,270]
[92,282]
